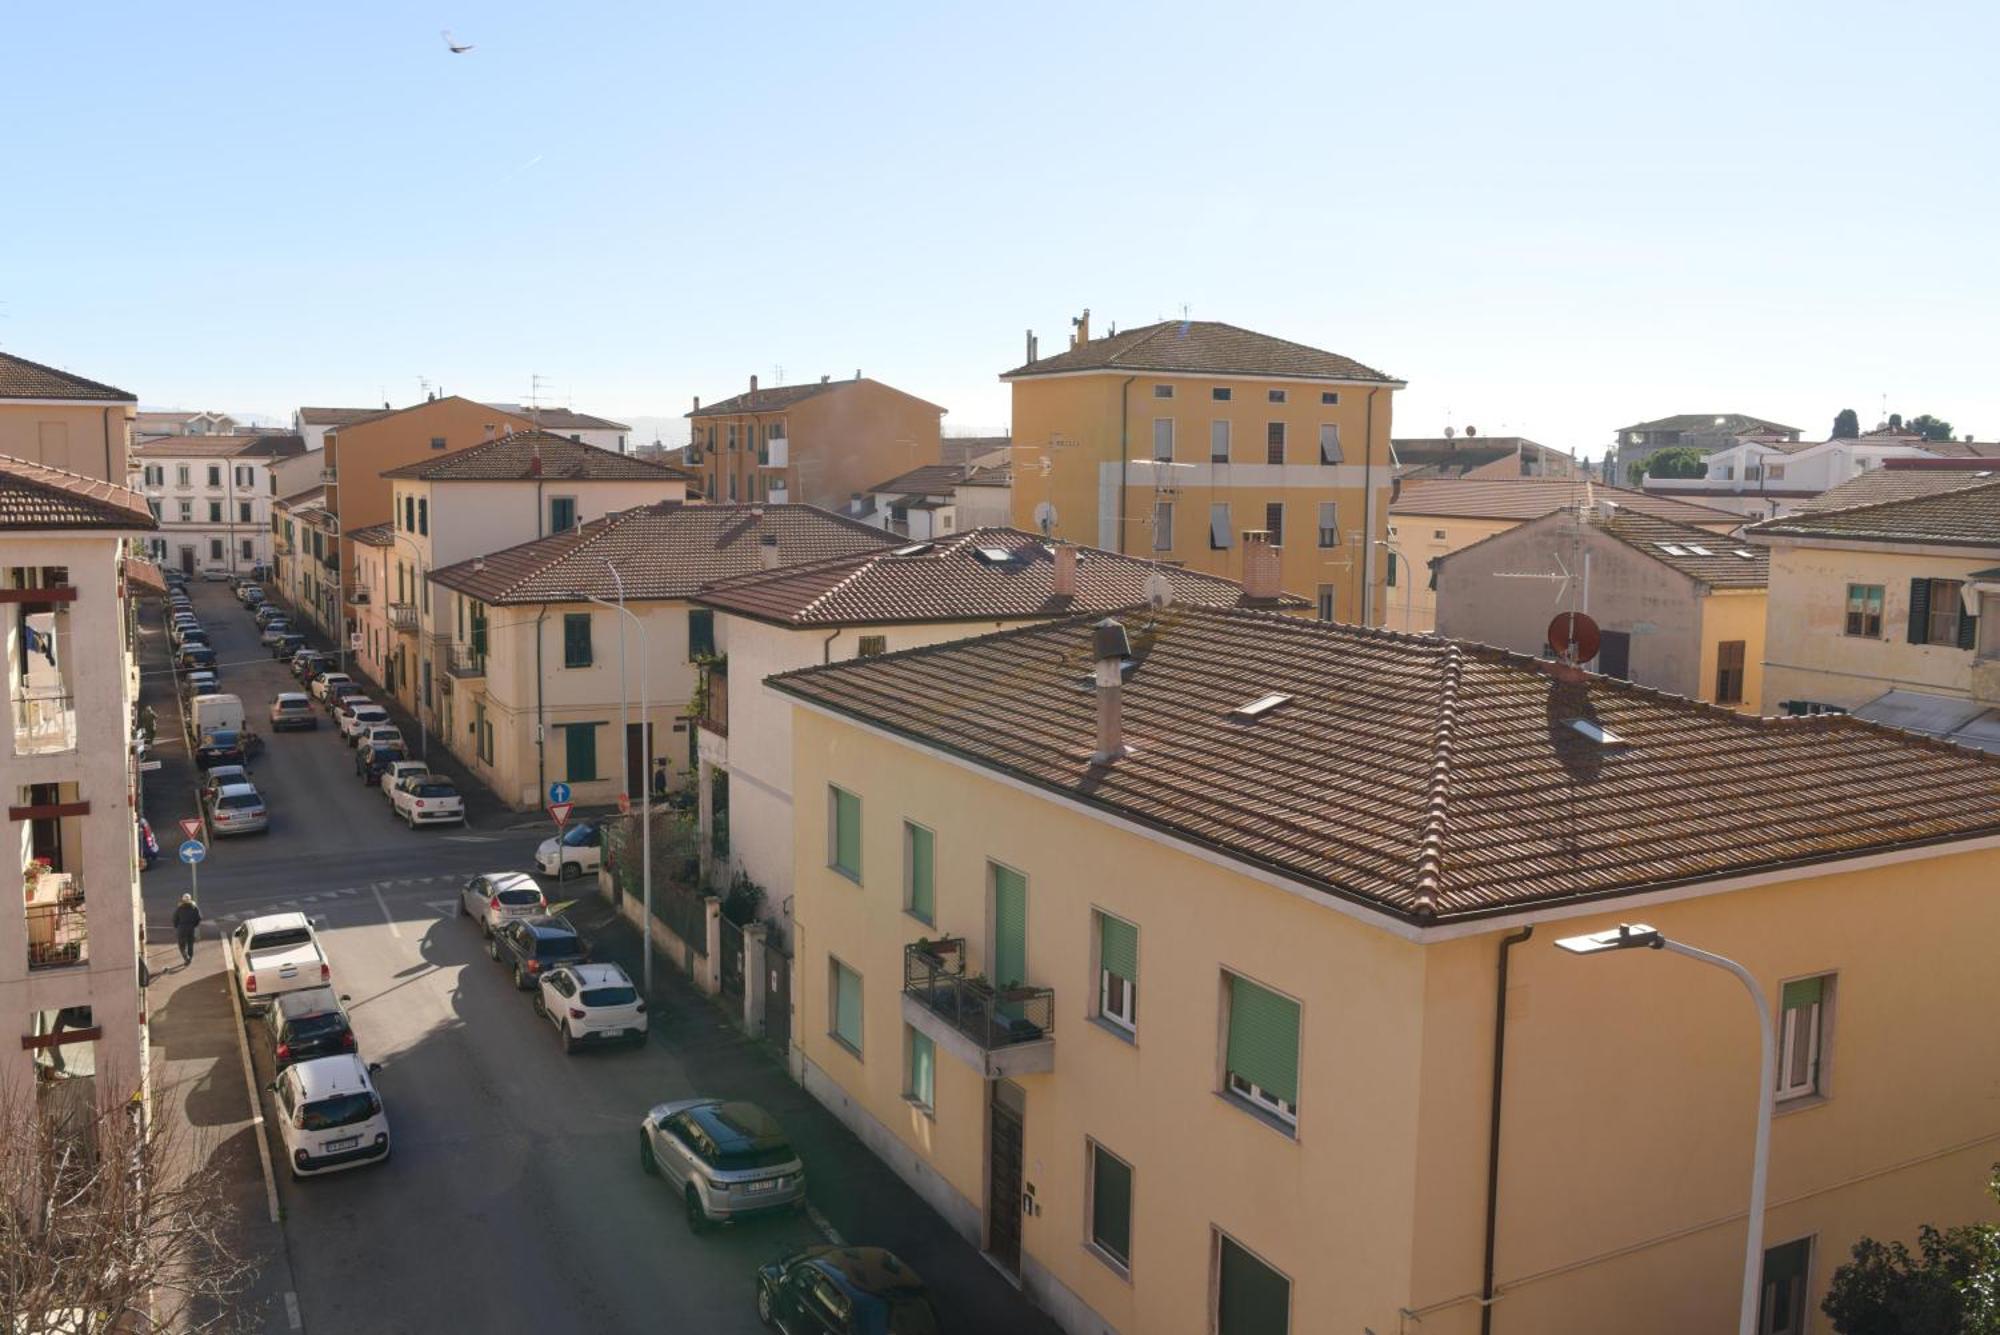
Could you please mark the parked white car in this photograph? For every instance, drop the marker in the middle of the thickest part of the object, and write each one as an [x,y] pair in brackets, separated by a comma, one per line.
[398,771]
[379,734]
[591,1004]
[238,808]
[430,800]
[329,1115]
[354,721]
[498,896]
[571,854]
[324,680]
[279,952]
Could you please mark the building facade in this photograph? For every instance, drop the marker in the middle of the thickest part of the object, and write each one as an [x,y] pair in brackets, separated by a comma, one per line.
[1707,432]
[938,499]
[212,497]
[1172,440]
[1473,455]
[584,428]
[817,444]
[52,417]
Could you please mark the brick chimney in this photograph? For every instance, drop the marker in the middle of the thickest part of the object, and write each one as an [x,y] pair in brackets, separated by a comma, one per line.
[1260,565]
[1111,648]
[767,552]
[753,388]
[1063,582]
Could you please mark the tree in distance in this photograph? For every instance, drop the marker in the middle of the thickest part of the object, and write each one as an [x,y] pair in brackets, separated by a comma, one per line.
[1846,425]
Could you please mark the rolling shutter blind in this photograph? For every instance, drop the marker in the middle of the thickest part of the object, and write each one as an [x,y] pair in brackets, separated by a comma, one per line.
[1111,1205]
[1252,1298]
[847,1006]
[1118,947]
[1329,443]
[1805,992]
[1264,1039]
[1010,927]
[847,832]
[922,863]
[1968,627]
[1920,611]
[923,1068]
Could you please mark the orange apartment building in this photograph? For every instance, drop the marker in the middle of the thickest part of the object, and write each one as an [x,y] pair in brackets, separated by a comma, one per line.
[816,444]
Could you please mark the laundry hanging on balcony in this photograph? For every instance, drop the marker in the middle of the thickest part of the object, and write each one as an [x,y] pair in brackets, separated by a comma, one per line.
[40,641]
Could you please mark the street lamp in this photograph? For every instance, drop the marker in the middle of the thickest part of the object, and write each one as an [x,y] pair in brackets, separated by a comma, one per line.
[423,575]
[1638,936]
[624,745]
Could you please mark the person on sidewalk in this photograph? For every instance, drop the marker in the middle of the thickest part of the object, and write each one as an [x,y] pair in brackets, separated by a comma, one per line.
[186,919]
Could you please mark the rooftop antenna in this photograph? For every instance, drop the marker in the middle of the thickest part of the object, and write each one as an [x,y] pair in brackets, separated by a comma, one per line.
[535,383]
[1045,509]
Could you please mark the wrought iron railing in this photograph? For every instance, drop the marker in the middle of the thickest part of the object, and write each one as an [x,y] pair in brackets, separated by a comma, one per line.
[403,616]
[44,720]
[934,974]
[58,934]
[463,661]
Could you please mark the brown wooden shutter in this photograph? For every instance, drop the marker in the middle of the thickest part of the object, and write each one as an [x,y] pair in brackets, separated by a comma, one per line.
[1920,611]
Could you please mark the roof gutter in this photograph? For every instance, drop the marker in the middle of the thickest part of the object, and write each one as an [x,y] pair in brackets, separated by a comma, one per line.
[1507,944]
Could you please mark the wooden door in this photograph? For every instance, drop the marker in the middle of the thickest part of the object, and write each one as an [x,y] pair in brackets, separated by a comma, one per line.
[1005,1119]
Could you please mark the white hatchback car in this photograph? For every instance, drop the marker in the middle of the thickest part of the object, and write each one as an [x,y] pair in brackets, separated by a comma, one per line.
[591,1004]
[571,854]
[356,721]
[329,1115]
[398,771]
[499,896]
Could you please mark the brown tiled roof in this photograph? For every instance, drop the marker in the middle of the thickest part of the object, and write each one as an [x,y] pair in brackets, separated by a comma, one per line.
[1960,449]
[375,535]
[1741,424]
[336,416]
[1896,484]
[927,480]
[1722,568]
[35,496]
[958,579]
[23,379]
[560,419]
[1533,497]
[312,495]
[511,458]
[1965,516]
[964,449]
[1198,346]
[1426,779]
[668,550]
[999,475]
[243,444]
[776,397]
[144,574]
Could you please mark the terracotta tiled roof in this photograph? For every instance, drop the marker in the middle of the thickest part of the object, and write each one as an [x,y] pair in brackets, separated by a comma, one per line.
[23,379]
[143,574]
[335,416]
[1960,449]
[1741,424]
[375,535]
[1423,778]
[1896,484]
[241,445]
[512,458]
[1965,516]
[959,579]
[313,495]
[776,397]
[35,496]
[1533,497]
[668,550]
[1682,547]
[964,449]
[560,419]
[1199,346]
[943,479]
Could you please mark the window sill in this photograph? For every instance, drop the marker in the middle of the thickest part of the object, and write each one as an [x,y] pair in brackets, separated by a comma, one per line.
[1117,1267]
[1796,1104]
[1288,1130]
[1129,1037]
[845,1046]
[915,916]
[929,1110]
[844,874]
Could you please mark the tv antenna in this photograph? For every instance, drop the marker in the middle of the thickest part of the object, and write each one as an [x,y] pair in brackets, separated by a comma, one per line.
[535,385]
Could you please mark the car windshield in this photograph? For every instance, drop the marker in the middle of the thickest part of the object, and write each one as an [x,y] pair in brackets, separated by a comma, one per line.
[281,938]
[239,801]
[436,790]
[340,1110]
[220,737]
[609,996]
[315,1026]
[555,944]
[515,899]
[582,836]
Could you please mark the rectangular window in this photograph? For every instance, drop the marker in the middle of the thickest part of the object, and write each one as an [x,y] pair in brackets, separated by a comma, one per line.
[920,1069]
[576,636]
[1936,616]
[844,987]
[1163,438]
[701,633]
[843,832]
[1221,394]
[1324,603]
[1163,526]
[919,872]
[1218,527]
[1274,442]
[424,516]
[1250,1297]
[1389,570]
[215,512]
[1729,672]
[1329,398]
[1261,1059]
[215,475]
[1218,441]
[243,512]
[562,514]
[1117,972]
[437,442]
[181,475]
[249,552]
[1110,1187]
[872,646]
[245,475]
[1009,890]
[1329,442]
[1274,522]
[732,486]
[1163,391]
[580,752]
[482,738]
[1274,396]
[1801,1035]
[215,549]
[187,511]
[1782,1309]
[409,514]
[1329,524]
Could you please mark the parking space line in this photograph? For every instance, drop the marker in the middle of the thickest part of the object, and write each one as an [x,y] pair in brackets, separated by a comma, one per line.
[292,1311]
[387,917]
[250,1082]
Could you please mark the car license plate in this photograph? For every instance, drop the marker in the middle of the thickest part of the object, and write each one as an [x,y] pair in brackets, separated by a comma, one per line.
[766,1185]
[336,1146]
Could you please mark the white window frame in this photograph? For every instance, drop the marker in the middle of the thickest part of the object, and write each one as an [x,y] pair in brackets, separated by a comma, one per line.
[1122,1013]
[1323,528]
[1163,526]
[1251,1092]
[1222,456]
[1168,423]
[1788,1038]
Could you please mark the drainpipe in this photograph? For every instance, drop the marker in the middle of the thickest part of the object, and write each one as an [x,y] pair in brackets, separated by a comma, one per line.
[541,751]
[1124,453]
[108,477]
[1368,517]
[826,648]
[1507,944]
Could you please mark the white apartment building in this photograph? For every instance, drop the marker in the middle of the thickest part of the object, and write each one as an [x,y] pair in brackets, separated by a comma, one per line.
[212,498]
[583,428]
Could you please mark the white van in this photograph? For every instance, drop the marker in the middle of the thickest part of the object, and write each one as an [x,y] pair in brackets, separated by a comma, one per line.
[214,713]
[329,1115]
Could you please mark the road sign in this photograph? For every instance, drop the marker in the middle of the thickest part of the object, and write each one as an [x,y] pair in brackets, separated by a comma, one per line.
[191,826]
[193,851]
[624,804]
[148,766]
[560,810]
[558,791]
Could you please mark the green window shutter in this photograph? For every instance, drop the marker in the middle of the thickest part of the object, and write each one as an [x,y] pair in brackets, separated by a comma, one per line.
[923,862]
[847,1006]
[576,639]
[1968,629]
[1920,611]
[1264,1039]
[847,833]
[1111,1204]
[580,752]
[1253,1299]
[923,1069]
[1010,927]
[1118,947]
[1805,992]
[701,633]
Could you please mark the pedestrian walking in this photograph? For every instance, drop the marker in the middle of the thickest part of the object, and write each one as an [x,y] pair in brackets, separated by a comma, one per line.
[149,847]
[186,919]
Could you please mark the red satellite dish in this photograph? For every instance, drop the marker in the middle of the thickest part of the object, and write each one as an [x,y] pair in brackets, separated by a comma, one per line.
[1573,637]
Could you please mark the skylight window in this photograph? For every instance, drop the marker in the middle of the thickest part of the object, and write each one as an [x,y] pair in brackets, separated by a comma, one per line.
[1596,732]
[914,549]
[1671,549]
[1699,550]
[1746,555]
[994,556]
[1259,707]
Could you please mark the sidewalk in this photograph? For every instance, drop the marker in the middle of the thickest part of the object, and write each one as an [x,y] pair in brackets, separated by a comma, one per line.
[860,1196]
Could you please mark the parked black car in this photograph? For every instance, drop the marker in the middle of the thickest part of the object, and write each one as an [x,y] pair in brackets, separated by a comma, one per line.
[370,763]
[221,747]
[287,644]
[306,1024]
[531,946]
[844,1291]
[197,656]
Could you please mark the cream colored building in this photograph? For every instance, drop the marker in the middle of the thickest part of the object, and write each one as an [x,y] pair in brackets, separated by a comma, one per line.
[1891,609]
[211,494]
[1258,1025]
[531,691]
[52,417]
[1430,518]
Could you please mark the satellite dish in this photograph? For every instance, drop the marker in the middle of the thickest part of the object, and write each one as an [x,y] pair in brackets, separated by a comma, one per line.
[1159,590]
[1573,637]
[1045,517]
[1449,433]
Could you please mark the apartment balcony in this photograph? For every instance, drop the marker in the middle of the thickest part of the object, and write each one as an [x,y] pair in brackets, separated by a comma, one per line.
[44,720]
[403,616]
[358,596]
[775,454]
[778,495]
[999,1032]
[58,930]
[465,663]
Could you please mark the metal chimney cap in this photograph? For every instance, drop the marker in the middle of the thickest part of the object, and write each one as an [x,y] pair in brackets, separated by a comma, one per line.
[1109,640]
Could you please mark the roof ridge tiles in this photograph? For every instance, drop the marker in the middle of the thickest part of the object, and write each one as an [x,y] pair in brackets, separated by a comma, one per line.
[1430,843]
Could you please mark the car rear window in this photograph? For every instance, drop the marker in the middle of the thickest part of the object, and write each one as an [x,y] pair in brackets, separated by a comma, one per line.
[340,1110]
[514,899]
[300,705]
[439,790]
[315,1026]
[742,1161]
[278,940]
[558,943]
[609,996]
[239,801]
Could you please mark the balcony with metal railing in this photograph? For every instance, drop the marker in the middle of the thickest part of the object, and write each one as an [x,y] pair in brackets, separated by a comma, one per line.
[44,720]
[998,1031]
[58,928]
[403,616]
[465,662]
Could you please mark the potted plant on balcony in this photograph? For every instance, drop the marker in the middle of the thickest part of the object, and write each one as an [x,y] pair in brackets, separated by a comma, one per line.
[940,952]
[32,874]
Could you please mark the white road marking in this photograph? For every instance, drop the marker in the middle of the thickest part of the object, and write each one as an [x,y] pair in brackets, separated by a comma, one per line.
[826,1230]
[387,917]
[444,907]
[250,1081]
[292,1311]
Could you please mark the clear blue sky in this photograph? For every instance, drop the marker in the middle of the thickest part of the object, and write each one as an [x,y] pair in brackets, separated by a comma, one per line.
[1548,219]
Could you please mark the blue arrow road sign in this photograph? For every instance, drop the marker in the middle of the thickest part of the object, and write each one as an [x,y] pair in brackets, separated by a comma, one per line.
[193,851]
[558,792]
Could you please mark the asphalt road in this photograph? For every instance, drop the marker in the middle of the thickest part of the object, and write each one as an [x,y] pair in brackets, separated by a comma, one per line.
[514,1199]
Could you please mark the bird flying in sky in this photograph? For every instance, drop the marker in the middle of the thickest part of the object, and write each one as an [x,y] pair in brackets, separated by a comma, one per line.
[455,48]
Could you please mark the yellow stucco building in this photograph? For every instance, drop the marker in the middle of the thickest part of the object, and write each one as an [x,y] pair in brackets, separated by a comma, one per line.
[1176,438]
[1227,1001]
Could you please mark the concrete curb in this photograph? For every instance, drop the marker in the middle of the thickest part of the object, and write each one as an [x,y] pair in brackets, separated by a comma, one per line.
[250,1084]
